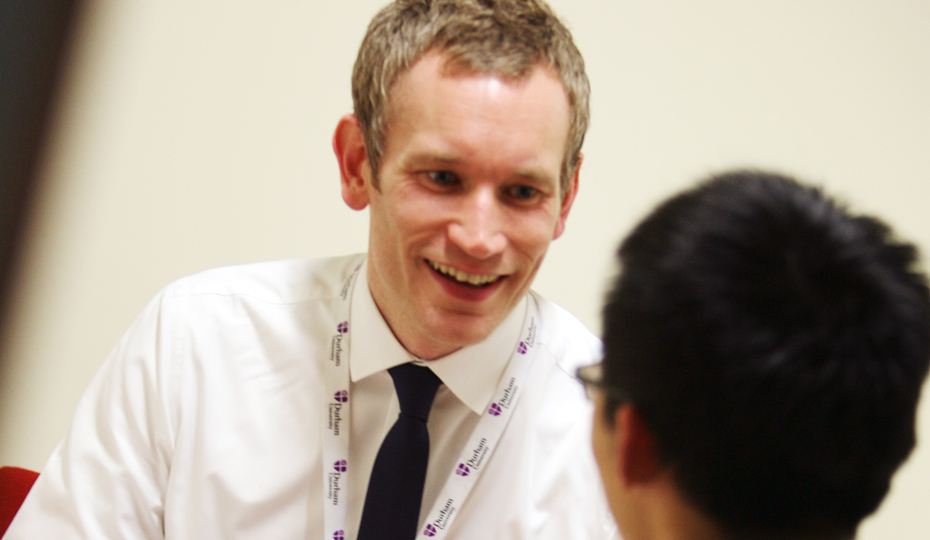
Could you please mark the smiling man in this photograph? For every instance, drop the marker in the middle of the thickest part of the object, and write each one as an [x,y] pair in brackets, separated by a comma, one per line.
[466,199]
[418,390]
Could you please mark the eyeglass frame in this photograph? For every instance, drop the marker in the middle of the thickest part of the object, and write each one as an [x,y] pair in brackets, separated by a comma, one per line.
[592,377]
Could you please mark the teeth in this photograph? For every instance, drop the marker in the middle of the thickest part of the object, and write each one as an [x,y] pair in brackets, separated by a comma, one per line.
[463,277]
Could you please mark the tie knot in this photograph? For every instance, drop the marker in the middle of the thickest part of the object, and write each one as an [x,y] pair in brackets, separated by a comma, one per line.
[416,387]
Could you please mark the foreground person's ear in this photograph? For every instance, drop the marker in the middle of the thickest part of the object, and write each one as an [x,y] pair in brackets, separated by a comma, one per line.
[636,447]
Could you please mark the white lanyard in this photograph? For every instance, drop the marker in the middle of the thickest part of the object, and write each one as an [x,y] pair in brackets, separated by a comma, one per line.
[476,454]
[336,420]
[474,457]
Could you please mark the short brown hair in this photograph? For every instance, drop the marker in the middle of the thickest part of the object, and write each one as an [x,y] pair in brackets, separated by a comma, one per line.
[505,37]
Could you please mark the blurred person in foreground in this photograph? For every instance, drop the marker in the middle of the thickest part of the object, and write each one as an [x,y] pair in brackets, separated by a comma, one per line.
[764,351]
[416,390]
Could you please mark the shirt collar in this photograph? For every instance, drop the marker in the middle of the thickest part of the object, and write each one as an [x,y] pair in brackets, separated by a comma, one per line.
[471,373]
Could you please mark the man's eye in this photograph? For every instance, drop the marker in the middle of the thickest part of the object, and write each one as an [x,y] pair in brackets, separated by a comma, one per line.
[524,192]
[442,178]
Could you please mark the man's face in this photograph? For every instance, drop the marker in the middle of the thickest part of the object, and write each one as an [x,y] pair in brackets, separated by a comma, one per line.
[467,202]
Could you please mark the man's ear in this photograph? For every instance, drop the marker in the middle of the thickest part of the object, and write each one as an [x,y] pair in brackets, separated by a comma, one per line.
[567,199]
[638,460]
[349,146]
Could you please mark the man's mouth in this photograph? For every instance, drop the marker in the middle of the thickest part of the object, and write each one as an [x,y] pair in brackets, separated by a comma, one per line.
[473,280]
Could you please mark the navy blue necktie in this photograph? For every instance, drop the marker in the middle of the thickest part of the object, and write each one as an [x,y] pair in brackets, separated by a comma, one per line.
[395,489]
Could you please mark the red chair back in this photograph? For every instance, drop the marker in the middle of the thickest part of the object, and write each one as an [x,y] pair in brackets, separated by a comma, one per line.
[15,484]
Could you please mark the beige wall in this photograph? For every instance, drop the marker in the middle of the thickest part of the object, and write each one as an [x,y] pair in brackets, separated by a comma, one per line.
[195,135]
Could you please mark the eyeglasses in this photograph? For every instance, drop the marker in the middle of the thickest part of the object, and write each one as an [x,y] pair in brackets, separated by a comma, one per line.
[593,379]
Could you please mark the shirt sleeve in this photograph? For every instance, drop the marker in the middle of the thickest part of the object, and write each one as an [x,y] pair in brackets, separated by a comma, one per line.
[107,478]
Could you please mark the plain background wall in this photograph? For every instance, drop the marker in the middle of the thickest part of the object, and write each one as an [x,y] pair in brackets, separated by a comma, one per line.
[197,134]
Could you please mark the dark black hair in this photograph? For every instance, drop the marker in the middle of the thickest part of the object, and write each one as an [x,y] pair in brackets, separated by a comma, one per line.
[775,345]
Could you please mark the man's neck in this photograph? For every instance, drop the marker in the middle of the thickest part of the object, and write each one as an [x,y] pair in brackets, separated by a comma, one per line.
[665,515]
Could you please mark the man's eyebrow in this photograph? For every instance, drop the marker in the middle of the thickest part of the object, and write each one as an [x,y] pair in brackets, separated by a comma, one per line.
[537,175]
[430,157]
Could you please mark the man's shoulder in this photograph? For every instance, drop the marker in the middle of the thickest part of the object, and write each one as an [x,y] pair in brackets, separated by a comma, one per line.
[566,337]
[284,282]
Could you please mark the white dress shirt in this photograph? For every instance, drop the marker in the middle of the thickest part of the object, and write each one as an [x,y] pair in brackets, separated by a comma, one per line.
[206,420]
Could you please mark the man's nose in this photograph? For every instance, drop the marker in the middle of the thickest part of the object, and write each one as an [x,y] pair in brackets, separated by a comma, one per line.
[478,227]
